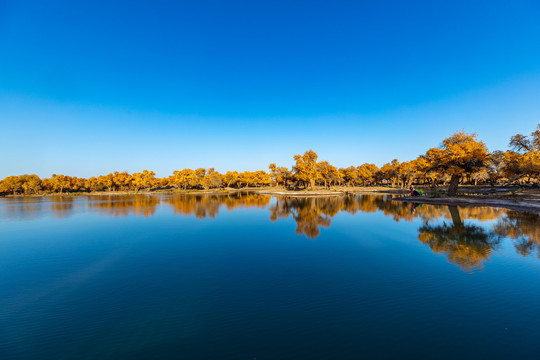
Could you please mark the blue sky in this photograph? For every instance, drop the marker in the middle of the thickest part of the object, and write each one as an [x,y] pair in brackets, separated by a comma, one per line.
[87,88]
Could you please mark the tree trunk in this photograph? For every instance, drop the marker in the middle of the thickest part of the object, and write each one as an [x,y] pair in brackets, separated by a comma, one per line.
[454,182]
[456,218]
[312,183]
[409,183]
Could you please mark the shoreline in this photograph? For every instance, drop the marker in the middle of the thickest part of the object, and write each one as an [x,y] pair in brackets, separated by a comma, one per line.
[527,201]
[226,191]
[530,206]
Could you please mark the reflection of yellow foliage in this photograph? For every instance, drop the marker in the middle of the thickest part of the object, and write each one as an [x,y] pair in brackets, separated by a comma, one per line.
[121,205]
[523,227]
[467,246]
[62,207]
[309,213]
[203,206]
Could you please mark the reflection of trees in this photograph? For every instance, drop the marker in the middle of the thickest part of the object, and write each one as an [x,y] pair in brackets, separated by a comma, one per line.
[468,246]
[22,208]
[309,213]
[62,207]
[118,205]
[522,227]
[203,206]
[236,200]
[464,244]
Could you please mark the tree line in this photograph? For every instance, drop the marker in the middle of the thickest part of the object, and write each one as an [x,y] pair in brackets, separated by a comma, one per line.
[460,159]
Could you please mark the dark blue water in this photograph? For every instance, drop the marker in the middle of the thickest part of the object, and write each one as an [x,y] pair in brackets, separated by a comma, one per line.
[249,276]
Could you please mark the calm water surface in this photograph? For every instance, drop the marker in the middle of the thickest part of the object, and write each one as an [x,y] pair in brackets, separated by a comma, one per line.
[252,276]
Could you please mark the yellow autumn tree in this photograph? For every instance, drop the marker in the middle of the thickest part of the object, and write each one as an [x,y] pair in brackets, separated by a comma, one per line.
[523,162]
[328,173]
[305,168]
[230,178]
[212,179]
[59,182]
[184,178]
[390,171]
[459,154]
[31,183]
[366,173]
[349,175]
[199,176]
[143,179]
[11,184]
[279,174]
[122,180]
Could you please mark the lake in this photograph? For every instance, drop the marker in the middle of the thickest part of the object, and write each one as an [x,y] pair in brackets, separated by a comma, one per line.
[249,276]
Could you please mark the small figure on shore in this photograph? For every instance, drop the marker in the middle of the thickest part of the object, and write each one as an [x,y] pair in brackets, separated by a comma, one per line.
[414,192]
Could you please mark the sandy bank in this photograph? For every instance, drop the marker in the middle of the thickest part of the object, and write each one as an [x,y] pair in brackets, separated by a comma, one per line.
[532,206]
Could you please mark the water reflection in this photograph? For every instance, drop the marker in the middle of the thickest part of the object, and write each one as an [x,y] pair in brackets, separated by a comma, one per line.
[204,206]
[63,209]
[308,213]
[467,246]
[467,236]
[522,227]
[125,205]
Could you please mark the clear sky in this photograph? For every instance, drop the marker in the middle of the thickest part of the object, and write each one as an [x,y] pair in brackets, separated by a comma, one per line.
[90,87]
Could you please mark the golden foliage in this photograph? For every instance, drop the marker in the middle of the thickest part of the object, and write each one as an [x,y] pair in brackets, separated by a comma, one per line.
[460,158]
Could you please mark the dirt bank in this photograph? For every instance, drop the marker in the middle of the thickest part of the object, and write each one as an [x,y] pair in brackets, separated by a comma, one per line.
[516,203]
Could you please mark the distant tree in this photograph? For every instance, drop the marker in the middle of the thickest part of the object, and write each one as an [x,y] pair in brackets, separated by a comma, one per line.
[31,183]
[305,168]
[212,179]
[143,179]
[349,175]
[524,161]
[279,174]
[199,176]
[520,143]
[494,167]
[328,173]
[106,181]
[122,180]
[11,184]
[184,178]
[390,172]
[60,182]
[230,178]
[366,173]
